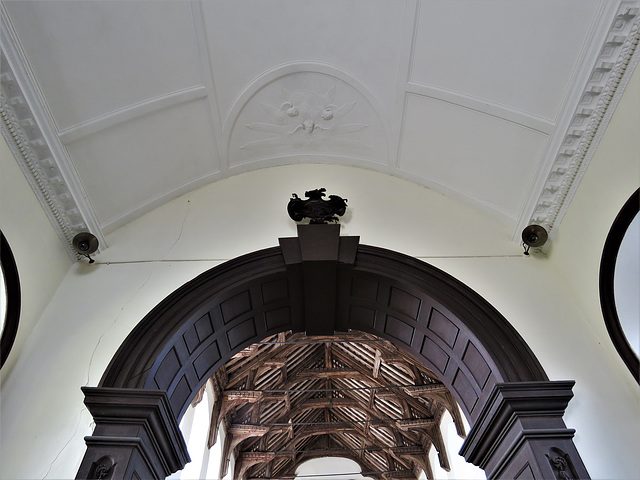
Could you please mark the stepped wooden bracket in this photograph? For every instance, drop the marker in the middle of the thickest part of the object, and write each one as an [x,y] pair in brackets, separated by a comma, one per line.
[314,257]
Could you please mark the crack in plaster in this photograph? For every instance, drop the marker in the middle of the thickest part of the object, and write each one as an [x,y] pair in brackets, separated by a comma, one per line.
[75,431]
[95,349]
[126,304]
[92,423]
[139,288]
[184,221]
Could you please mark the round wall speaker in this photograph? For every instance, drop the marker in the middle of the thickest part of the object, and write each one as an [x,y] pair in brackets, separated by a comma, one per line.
[534,236]
[85,243]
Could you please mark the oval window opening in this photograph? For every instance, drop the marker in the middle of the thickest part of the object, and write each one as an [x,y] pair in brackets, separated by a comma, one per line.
[620,283]
[10,299]
[626,284]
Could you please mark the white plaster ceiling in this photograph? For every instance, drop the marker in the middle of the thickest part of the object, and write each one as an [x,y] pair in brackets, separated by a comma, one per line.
[493,102]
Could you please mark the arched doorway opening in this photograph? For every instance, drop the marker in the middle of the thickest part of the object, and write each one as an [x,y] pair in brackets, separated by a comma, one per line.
[318,470]
[292,398]
[320,283]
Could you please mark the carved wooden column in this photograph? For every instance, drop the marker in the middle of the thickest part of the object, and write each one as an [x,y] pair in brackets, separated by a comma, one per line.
[520,434]
[136,436]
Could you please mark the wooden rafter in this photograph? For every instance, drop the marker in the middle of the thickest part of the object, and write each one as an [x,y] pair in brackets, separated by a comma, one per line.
[292,398]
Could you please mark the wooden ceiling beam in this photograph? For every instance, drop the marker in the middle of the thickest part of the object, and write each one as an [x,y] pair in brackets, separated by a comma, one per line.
[239,433]
[400,474]
[391,425]
[440,393]
[328,360]
[425,389]
[267,353]
[374,437]
[438,442]
[325,373]
[246,460]
[415,404]
[284,418]
[376,363]
[403,455]
[214,422]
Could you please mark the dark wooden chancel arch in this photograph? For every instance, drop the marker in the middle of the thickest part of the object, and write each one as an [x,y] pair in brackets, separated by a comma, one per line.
[320,282]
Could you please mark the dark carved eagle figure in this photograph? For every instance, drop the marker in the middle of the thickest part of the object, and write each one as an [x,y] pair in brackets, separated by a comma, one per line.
[317,209]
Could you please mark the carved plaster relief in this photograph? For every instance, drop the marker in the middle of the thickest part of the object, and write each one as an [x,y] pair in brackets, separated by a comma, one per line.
[615,63]
[29,147]
[33,139]
[307,113]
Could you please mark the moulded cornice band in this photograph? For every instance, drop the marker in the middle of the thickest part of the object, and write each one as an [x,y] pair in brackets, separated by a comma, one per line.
[607,80]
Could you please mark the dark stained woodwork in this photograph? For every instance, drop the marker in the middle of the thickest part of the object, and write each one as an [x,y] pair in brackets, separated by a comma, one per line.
[328,411]
[319,249]
[136,435]
[521,430]
[441,347]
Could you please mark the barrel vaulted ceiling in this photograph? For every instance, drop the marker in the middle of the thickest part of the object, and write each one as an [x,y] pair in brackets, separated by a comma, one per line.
[113,108]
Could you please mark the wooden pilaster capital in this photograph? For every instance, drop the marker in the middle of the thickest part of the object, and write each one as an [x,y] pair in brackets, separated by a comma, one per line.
[140,425]
[521,426]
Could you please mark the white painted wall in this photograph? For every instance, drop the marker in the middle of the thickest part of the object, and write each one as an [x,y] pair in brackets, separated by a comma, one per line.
[613,175]
[552,301]
[41,259]
[96,306]
[577,250]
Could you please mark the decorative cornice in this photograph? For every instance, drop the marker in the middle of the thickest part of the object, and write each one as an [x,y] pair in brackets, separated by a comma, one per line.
[608,78]
[34,142]
[36,162]
[43,159]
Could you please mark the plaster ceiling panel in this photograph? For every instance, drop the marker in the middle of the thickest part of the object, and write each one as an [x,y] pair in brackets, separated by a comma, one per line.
[132,167]
[93,58]
[470,155]
[311,115]
[247,39]
[521,55]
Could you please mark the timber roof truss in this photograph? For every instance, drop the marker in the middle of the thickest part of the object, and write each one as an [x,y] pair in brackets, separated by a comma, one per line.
[292,398]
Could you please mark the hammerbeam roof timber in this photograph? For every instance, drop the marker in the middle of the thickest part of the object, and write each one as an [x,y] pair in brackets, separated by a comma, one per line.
[294,397]
[344,421]
[328,452]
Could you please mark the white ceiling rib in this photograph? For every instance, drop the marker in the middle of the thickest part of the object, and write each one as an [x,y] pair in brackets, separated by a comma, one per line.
[498,104]
[131,112]
[519,117]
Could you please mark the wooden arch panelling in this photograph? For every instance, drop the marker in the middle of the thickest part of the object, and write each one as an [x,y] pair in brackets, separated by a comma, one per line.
[416,306]
[318,282]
